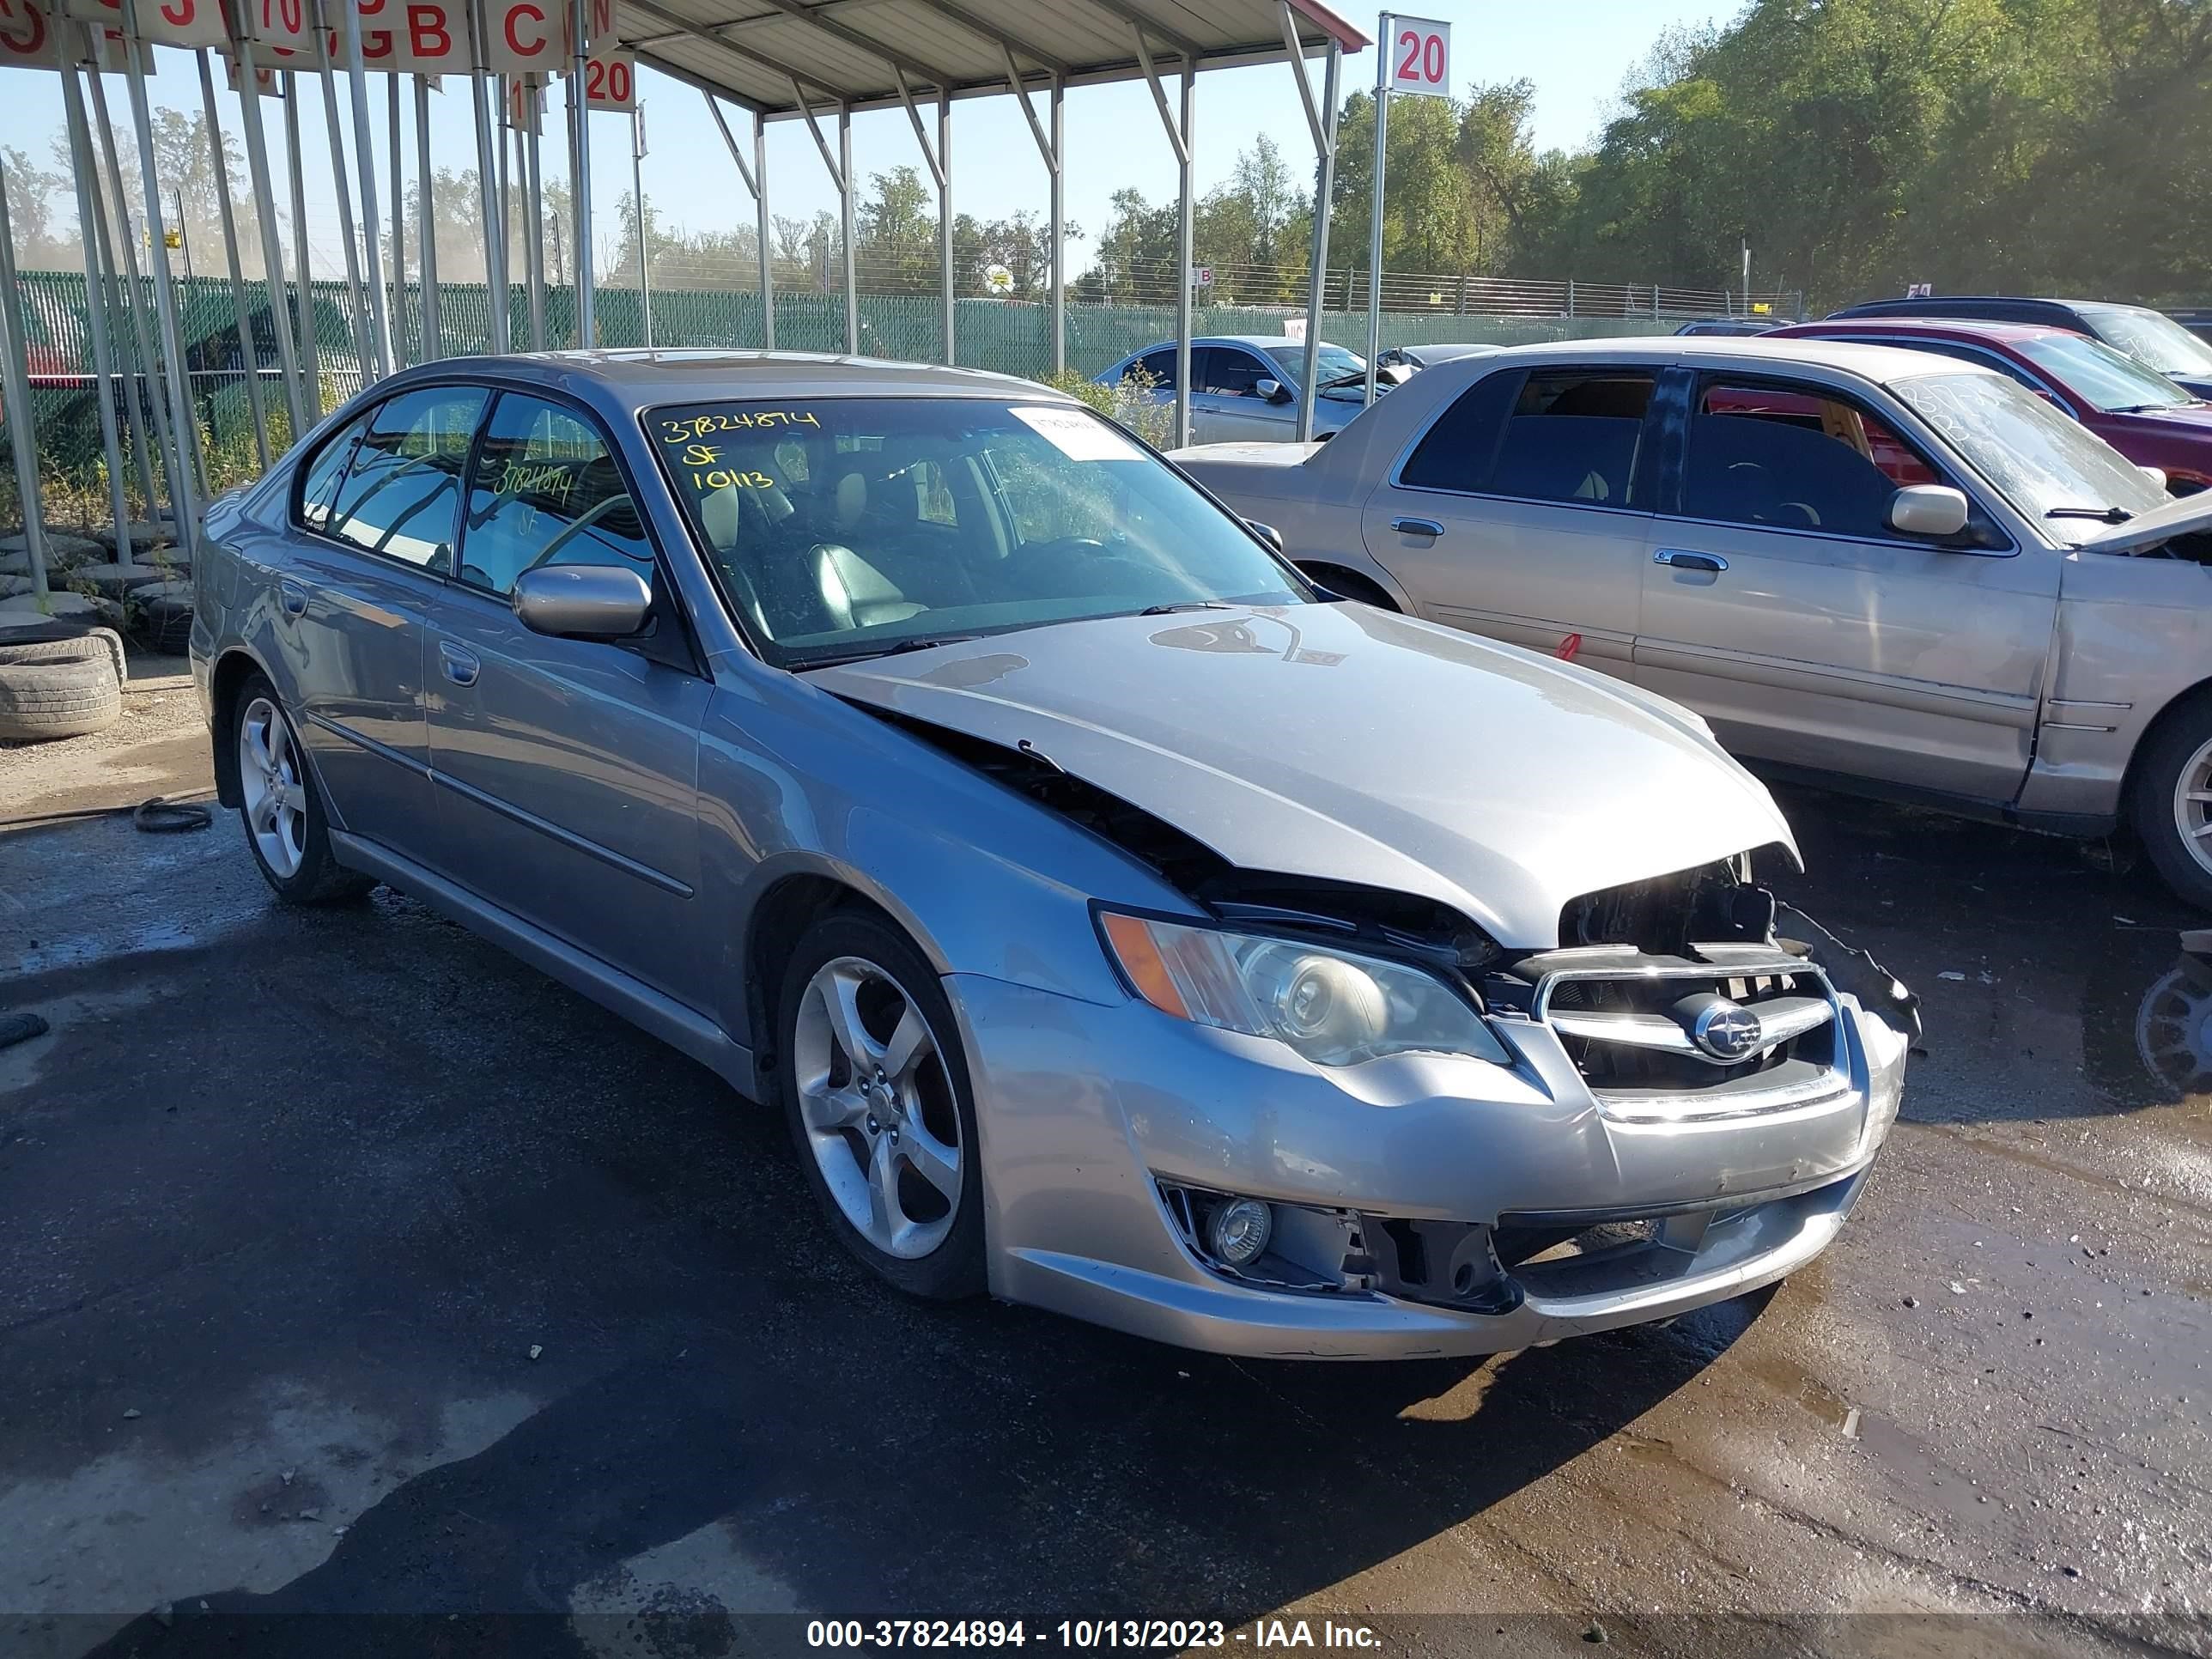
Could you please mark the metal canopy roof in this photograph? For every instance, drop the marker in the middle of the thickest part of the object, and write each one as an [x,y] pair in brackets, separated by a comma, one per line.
[768,54]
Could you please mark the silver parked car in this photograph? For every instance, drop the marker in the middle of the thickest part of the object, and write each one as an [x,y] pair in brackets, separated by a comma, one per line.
[1122,927]
[1883,569]
[1247,386]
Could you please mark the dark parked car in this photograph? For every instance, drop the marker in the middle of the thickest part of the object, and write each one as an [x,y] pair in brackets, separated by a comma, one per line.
[2197,319]
[2146,416]
[2151,338]
[1729,325]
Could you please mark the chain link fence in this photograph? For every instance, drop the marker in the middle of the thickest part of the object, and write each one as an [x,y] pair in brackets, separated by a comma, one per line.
[1010,337]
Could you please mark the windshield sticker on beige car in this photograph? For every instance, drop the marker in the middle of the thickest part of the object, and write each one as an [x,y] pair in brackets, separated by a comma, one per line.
[1078,435]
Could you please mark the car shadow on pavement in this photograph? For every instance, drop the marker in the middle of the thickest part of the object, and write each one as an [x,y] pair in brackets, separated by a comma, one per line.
[863,1473]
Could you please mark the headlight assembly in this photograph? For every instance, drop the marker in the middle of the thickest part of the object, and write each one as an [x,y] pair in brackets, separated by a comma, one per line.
[1332,1006]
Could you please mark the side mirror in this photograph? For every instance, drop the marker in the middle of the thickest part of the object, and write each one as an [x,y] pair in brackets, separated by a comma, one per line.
[1266,532]
[1273,391]
[1935,510]
[582,601]
[2156,475]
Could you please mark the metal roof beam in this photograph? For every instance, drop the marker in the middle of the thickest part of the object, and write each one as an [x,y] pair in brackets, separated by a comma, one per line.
[1176,135]
[1185,47]
[1036,128]
[859,42]
[921,134]
[705,37]
[991,32]
[1323,141]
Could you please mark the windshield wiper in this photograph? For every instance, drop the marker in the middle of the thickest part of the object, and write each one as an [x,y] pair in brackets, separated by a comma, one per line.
[1184,604]
[838,660]
[2101,514]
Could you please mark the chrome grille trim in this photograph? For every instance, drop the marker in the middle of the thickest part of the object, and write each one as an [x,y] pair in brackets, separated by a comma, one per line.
[1782,1081]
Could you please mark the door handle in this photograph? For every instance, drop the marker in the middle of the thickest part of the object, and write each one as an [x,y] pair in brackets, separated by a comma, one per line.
[1682,559]
[292,597]
[459,666]
[1417,526]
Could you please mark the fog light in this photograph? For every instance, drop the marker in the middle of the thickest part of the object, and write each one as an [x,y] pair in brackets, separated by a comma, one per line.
[1238,1231]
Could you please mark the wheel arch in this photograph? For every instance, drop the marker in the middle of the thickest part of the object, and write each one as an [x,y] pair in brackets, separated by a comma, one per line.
[1354,583]
[233,668]
[2178,707]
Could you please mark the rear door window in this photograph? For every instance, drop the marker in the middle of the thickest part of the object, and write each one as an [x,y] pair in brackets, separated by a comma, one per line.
[1457,452]
[1798,457]
[401,496]
[1227,372]
[1574,435]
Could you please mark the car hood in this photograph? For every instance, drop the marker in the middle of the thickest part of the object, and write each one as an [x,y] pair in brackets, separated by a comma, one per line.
[2185,515]
[1351,744]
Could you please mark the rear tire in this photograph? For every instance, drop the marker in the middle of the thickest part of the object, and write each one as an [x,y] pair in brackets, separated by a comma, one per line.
[281,810]
[875,1088]
[2172,801]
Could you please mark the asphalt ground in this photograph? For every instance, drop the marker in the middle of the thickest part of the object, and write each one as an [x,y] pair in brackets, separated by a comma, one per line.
[362,1290]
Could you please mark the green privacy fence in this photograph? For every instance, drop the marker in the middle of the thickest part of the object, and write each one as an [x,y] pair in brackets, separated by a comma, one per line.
[1013,337]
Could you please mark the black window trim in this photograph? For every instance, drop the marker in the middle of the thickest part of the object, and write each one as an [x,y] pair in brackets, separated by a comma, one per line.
[1677,471]
[364,417]
[1396,478]
[496,386]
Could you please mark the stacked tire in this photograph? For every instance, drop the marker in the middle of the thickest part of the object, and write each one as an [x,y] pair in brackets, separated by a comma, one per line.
[59,680]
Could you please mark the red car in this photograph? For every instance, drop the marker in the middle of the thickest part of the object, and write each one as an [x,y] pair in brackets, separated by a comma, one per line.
[2144,415]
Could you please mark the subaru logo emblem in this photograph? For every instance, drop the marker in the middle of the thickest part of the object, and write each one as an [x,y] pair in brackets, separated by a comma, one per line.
[1726,1030]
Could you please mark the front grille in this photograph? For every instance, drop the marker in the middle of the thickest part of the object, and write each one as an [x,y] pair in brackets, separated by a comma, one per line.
[1627,1020]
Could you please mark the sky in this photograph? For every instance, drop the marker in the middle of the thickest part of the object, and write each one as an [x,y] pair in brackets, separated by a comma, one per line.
[1577,56]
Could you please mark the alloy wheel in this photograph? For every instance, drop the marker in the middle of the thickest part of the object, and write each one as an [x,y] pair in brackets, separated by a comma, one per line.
[2192,805]
[878,1107]
[269,773]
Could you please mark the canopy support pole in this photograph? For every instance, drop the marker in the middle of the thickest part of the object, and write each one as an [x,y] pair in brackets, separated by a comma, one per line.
[1321,122]
[15,385]
[400,357]
[1178,140]
[1052,146]
[637,202]
[249,353]
[754,179]
[311,356]
[840,167]
[265,222]
[587,327]
[939,159]
[364,340]
[184,494]
[150,395]
[489,206]
[95,309]
[426,226]
[531,153]
[364,157]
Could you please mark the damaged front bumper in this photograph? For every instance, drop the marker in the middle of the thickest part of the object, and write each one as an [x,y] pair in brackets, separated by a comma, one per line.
[1427,1205]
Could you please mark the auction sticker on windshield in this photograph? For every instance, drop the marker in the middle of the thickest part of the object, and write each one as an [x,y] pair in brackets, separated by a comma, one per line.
[1076,434]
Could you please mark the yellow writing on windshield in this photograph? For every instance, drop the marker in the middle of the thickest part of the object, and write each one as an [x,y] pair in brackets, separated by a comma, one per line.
[556,480]
[721,478]
[688,429]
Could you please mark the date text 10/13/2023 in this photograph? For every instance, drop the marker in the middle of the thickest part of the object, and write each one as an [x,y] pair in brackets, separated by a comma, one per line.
[1169,1635]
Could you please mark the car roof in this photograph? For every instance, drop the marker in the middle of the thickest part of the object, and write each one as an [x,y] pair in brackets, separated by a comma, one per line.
[644,376]
[1883,365]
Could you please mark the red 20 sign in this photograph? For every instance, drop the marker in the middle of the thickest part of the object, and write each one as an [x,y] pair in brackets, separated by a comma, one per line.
[1417,56]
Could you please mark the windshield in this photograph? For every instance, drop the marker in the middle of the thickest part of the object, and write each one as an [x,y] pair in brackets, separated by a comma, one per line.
[843,527]
[2109,380]
[2038,458]
[2151,338]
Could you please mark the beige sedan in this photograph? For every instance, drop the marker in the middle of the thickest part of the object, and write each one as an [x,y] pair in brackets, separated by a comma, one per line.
[1879,569]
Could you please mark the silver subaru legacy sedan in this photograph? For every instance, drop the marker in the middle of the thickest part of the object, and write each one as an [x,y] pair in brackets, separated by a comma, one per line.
[1125,925]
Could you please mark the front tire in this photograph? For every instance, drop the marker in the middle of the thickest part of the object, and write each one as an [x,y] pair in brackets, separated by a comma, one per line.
[2173,800]
[876,1090]
[280,807]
